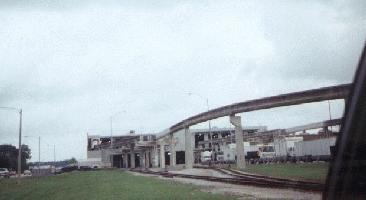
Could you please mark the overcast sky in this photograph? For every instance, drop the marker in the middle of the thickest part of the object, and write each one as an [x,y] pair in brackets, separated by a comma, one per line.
[70,66]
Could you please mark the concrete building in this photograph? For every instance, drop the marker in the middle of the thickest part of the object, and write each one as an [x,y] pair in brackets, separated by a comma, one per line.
[129,150]
[160,150]
[184,148]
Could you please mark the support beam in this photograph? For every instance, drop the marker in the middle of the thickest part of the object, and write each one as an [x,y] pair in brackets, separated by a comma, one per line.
[188,149]
[156,156]
[146,159]
[142,159]
[125,160]
[132,158]
[148,154]
[172,150]
[162,155]
[240,159]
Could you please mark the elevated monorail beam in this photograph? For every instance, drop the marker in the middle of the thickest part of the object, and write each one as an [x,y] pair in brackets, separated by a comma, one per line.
[296,98]
[333,122]
[276,132]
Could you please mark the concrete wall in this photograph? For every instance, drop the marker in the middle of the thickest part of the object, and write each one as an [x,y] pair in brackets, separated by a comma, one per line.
[230,150]
[91,163]
[94,154]
[314,147]
[285,145]
[106,156]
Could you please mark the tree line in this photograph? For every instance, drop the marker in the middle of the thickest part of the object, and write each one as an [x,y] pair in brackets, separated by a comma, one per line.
[9,156]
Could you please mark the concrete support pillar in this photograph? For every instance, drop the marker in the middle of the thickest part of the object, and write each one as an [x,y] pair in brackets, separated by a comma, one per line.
[172,150]
[132,158]
[162,155]
[240,159]
[219,143]
[125,160]
[188,149]
[149,154]
[142,159]
[146,159]
[156,157]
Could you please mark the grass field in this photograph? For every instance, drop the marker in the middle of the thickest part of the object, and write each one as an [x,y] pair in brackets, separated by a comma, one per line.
[112,184]
[305,171]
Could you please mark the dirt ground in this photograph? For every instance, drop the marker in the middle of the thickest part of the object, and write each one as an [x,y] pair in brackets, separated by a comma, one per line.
[241,191]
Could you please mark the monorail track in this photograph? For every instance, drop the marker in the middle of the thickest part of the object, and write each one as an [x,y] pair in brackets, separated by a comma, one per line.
[244,179]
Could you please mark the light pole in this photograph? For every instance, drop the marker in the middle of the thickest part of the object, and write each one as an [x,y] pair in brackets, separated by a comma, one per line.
[111,121]
[20,139]
[330,117]
[39,151]
[207,105]
[54,155]
[209,121]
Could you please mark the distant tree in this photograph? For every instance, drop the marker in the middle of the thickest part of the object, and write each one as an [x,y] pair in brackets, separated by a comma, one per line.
[9,156]
[72,161]
[26,155]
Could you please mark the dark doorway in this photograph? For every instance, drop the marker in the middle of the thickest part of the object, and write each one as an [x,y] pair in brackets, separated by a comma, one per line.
[128,160]
[180,157]
[137,160]
[198,138]
[150,164]
[117,160]
[167,158]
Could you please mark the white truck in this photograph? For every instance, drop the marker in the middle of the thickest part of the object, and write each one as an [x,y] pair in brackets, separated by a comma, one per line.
[206,156]
[4,173]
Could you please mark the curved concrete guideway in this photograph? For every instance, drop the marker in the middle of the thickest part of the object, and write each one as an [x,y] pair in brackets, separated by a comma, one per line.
[296,98]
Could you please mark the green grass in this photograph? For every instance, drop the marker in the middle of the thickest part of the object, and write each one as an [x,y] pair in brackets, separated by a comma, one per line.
[108,184]
[305,171]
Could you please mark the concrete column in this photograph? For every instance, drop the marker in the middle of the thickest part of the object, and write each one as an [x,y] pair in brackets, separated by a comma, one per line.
[132,158]
[147,159]
[172,150]
[188,149]
[125,160]
[240,159]
[142,159]
[156,157]
[162,156]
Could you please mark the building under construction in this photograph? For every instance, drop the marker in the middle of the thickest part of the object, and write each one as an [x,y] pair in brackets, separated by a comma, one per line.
[164,150]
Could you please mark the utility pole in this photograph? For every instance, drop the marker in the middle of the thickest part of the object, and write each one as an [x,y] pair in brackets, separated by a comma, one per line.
[39,155]
[111,124]
[111,132]
[54,157]
[209,128]
[20,146]
[330,116]
[54,154]
[209,121]
[20,140]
